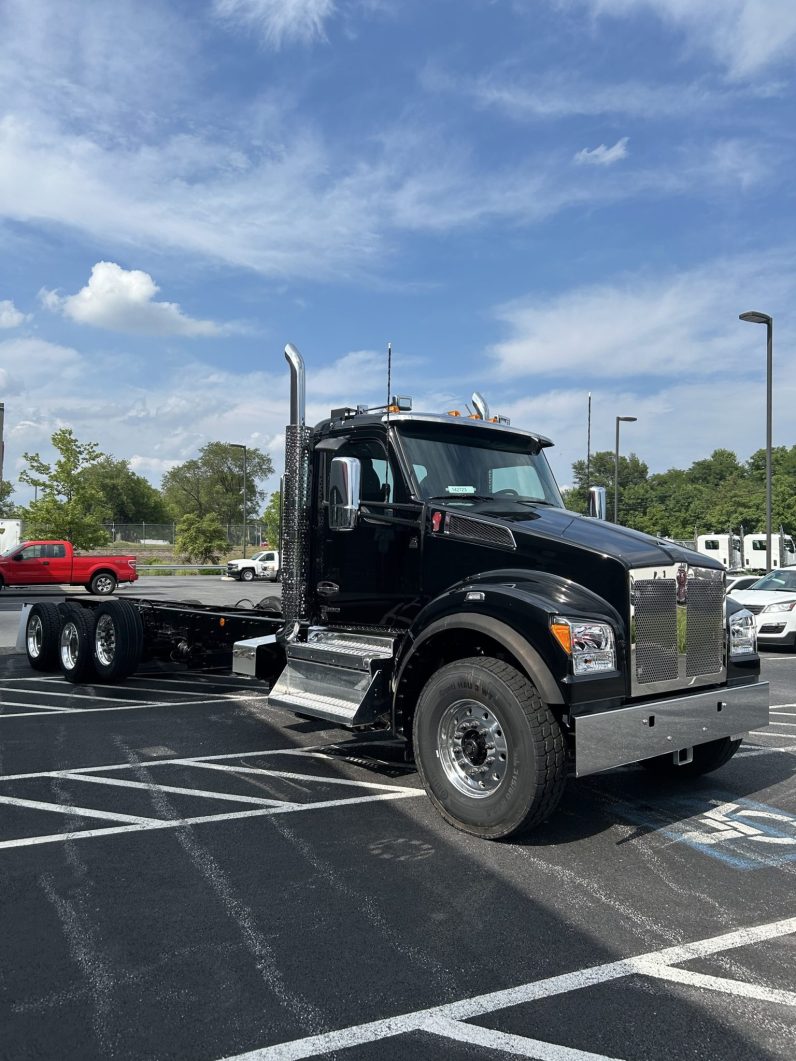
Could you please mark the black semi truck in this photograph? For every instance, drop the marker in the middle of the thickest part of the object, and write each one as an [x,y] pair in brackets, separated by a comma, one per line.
[435,587]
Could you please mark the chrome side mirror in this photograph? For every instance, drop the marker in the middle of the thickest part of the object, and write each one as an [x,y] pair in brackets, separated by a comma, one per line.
[597,502]
[344,493]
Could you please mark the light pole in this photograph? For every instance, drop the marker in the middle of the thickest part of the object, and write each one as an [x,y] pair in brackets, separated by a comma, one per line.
[627,420]
[238,445]
[763,318]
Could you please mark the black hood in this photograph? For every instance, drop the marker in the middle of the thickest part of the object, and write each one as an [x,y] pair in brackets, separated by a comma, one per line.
[630,548]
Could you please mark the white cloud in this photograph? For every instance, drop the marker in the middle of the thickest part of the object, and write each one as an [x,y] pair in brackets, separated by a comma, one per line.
[10,316]
[682,324]
[602,155]
[746,36]
[123,300]
[279,21]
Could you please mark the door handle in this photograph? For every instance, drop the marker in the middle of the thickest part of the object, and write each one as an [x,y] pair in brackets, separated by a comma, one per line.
[45,563]
[327,589]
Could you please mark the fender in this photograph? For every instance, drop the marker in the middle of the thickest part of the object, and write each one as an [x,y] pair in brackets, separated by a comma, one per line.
[513,607]
[499,631]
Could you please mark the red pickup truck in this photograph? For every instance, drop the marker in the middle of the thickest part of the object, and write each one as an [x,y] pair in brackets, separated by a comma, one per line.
[56,563]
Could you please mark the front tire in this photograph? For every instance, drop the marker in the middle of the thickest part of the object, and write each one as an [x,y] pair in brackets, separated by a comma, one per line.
[118,640]
[490,754]
[42,631]
[707,757]
[246,575]
[102,584]
[76,643]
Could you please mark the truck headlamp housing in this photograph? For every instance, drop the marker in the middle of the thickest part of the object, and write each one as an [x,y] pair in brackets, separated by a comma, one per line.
[590,645]
[743,633]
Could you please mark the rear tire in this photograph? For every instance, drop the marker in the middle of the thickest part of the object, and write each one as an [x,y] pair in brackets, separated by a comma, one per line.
[490,754]
[76,643]
[118,640]
[707,757]
[102,584]
[42,631]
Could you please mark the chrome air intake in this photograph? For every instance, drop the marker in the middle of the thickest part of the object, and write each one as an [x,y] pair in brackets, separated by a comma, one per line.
[677,626]
[295,519]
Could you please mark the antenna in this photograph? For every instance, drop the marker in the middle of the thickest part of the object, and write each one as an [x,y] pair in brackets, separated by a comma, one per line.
[588,448]
[389,377]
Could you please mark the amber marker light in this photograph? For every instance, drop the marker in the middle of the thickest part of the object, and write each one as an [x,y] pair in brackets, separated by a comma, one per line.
[222,622]
[563,635]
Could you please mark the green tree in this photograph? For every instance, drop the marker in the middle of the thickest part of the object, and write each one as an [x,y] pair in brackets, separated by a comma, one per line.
[8,509]
[67,506]
[632,472]
[128,497]
[271,520]
[212,483]
[200,539]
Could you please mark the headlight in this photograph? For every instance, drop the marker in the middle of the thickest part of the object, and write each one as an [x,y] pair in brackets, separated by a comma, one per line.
[590,645]
[743,634]
[781,606]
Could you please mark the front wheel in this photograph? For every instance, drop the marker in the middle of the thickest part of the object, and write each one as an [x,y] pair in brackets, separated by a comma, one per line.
[102,584]
[246,575]
[490,754]
[707,757]
[76,643]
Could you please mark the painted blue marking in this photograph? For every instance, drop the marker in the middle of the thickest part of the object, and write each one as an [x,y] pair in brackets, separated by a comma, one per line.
[739,832]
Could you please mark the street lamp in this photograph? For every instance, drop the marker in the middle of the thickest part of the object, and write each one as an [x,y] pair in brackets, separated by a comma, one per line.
[763,318]
[627,420]
[238,445]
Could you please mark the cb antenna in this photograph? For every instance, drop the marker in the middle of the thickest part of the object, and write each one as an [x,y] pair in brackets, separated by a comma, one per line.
[389,377]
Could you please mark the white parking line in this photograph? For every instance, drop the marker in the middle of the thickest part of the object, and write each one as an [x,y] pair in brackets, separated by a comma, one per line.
[719,983]
[121,782]
[177,823]
[81,812]
[264,771]
[436,1018]
[127,707]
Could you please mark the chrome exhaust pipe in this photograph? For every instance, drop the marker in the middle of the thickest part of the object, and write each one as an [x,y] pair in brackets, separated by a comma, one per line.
[295,501]
[480,406]
[296,362]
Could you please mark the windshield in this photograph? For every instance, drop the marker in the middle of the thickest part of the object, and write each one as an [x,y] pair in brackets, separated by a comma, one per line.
[783,581]
[475,467]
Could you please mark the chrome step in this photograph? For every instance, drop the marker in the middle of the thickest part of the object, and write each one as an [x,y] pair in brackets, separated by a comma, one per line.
[340,649]
[347,695]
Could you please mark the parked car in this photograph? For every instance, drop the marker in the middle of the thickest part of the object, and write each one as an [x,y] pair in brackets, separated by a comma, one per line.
[261,565]
[772,599]
[738,582]
[54,563]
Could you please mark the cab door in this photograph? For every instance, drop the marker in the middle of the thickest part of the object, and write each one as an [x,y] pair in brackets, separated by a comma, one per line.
[28,567]
[369,575]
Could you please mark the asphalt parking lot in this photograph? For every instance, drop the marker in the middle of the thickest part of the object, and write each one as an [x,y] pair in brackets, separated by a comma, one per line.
[187,873]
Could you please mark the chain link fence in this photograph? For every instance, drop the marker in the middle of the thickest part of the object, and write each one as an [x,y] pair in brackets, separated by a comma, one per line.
[164,533]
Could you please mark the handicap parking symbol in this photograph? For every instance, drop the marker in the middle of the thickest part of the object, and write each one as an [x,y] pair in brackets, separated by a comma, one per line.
[743,833]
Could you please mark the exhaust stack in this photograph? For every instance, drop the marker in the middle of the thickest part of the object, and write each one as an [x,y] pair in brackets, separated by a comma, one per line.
[480,406]
[295,525]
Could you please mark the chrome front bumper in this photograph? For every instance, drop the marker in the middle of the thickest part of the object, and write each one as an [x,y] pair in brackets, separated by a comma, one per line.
[657,727]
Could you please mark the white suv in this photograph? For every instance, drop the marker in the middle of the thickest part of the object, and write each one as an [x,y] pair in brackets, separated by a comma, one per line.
[773,602]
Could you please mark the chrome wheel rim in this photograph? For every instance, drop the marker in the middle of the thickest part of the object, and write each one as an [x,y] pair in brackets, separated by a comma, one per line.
[35,636]
[472,748]
[70,645]
[105,640]
[103,584]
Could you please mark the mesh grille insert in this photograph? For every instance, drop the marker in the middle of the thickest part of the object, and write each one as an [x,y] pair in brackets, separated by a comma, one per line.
[705,631]
[474,530]
[656,629]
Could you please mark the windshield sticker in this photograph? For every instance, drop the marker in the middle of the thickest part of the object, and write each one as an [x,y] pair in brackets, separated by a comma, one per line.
[460,489]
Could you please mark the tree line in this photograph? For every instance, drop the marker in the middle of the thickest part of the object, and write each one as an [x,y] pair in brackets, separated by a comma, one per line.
[85,488]
[714,495]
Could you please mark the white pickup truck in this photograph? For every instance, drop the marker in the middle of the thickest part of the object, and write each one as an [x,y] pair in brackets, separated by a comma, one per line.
[261,565]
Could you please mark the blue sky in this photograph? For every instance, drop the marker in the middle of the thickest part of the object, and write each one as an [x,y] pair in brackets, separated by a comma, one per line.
[536,199]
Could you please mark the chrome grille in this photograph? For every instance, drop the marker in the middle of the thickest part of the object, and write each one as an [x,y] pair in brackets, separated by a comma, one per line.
[755,609]
[677,628]
[705,629]
[656,629]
